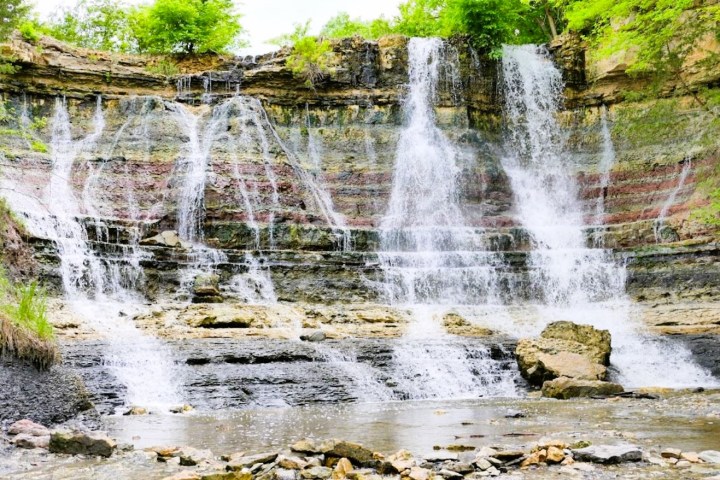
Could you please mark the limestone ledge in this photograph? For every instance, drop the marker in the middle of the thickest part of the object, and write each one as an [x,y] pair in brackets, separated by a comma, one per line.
[368,320]
[279,321]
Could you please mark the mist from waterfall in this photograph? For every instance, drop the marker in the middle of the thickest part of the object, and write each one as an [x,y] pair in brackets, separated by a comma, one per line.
[570,281]
[431,259]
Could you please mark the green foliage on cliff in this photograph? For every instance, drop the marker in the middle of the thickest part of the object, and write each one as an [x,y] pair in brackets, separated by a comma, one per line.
[186,26]
[310,57]
[662,32]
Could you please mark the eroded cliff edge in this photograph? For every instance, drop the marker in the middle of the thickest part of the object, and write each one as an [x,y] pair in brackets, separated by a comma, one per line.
[351,121]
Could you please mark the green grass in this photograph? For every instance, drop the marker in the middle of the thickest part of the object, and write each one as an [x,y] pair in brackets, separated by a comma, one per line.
[25,331]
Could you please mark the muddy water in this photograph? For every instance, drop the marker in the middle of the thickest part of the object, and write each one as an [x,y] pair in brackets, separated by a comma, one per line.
[681,420]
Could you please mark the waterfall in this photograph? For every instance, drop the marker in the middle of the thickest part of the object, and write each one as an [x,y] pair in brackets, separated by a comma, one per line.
[570,281]
[607,160]
[98,289]
[431,259]
[659,223]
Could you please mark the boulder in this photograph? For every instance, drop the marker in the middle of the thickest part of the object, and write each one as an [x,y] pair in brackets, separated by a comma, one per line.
[75,442]
[28,427]
[342,467]
[555,455]
[535,458]
[190,456]
[607,454]
[402,460]
[291,463]
[354,452]
[318,473]
[709,456]
[316,336]
[564,388]
[671,453]
[24,440]
[597,340]
[305,445]
[564,349]
[135,410]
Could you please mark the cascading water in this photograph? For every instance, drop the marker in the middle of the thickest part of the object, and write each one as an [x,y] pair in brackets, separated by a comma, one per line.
[98,288]
[659,223]
[607,160]
[192,167]
[568,280]
[431,259]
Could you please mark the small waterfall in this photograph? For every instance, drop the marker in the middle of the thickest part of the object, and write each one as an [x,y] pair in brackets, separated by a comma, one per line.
[659,223]
[98,288]
[323,198]
[569,280]
[430,258]
[607,160]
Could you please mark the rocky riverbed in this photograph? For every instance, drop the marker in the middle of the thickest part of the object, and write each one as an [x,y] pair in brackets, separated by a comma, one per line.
[665,435]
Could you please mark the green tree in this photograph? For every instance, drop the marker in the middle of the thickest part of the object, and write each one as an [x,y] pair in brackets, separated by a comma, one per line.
[12,13]
[186,26]
[420,18]
[342,26]
[490,23]
[662,32]
[95,24]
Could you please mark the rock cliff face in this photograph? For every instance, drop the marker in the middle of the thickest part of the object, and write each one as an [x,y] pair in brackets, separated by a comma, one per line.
[292,170]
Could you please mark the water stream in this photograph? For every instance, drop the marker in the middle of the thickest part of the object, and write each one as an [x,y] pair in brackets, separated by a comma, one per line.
[431,259]
[607,160]
[569,280]
[659,223]
[99,290]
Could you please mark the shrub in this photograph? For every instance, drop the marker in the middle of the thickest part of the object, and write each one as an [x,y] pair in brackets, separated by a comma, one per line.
[310,57]
[163,67]
[29,31]
[38,146]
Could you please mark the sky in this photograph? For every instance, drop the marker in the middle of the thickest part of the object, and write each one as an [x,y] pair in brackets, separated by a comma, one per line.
[266,19]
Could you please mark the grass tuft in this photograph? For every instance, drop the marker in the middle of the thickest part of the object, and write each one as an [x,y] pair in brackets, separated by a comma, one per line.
[25,331]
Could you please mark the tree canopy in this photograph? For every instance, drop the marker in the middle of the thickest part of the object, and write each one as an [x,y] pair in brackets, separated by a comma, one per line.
[186,26]
[95,24]
[12,12]
[163,26]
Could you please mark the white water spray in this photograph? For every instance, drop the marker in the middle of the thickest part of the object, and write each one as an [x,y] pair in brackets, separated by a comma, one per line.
[569,280]
[430,258]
